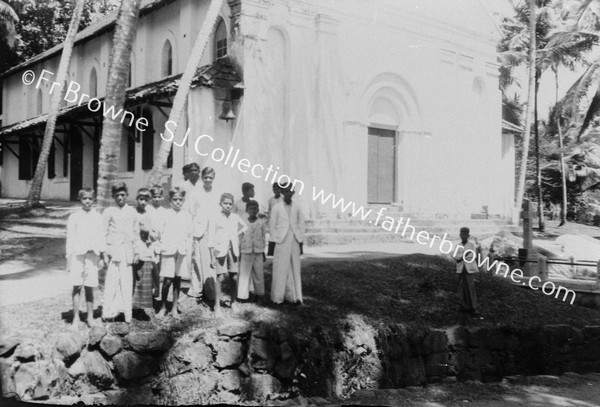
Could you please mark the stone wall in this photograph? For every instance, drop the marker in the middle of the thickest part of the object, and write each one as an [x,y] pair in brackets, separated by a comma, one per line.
[486,354]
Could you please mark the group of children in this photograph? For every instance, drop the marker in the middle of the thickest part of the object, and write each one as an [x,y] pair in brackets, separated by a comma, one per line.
[201,238]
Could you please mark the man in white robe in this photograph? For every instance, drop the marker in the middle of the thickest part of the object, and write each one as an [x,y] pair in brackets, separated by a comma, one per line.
[287,231]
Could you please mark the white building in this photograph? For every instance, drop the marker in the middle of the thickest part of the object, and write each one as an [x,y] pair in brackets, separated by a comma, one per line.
[379,102]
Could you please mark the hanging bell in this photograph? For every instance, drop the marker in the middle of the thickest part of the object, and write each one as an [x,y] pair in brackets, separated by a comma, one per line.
[227,113]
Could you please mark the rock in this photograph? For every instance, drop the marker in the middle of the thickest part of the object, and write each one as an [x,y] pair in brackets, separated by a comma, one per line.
[261,332]
[591,331]
[435,341]
[7,345]
[261,386]
[237,328]
[197,355]
[27,352]
[263,354]
[286,368]
[437,364]
[69,345]
[149,341]
[229,354]
[26,379]
[140,395]
[119,328]
[7,384]
[230,380]
[458,337]
[130,365]
[286,351]
[111,345]
[96,335]
[48,379]
[97,370]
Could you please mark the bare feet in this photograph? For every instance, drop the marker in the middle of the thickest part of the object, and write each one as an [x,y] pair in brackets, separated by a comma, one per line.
[161,313]
[92,322]
[235,307]
[218,312]
[75,325]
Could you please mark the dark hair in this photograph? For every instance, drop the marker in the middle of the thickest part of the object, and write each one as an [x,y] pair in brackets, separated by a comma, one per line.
[252,203]
[176,191]
[144,191]
[119,187]
[193,165]
[87,190]
[185,168]
[286,187]
[208,170]
[226,195]
[465,229]
[157,190]
[276,185]
[247,186]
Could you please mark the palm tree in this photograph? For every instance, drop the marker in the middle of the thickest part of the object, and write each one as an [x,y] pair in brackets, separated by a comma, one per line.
[118,72]
[528,109]
[61,78]
[183,90]
[8,19]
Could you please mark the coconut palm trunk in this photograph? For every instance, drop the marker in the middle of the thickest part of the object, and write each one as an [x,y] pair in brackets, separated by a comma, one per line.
[563,177]
[210,20]
[529,108]
[61,78]
[118,72]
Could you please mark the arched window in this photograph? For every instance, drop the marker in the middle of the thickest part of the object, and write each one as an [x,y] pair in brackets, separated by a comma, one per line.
[93,83]
[220,46]
[167,59]
[38,106]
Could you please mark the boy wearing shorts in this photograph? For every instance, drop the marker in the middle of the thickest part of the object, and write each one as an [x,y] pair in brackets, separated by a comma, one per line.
[85,244]
[175,247]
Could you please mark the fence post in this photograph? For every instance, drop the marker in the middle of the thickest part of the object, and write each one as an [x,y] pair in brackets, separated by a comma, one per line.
[573,267]
[527,237]
[598,275]
[543,267]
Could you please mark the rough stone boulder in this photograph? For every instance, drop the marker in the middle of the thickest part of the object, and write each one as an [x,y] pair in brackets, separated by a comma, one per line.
[96,335]
[111,345]
[119,328]
[230,380]
[261,386]
[27,352]
[237,328]
[7,345]
[36,380]
[229,354]
[504,245]
[150,341]
[263,353]
[69,345]
[7,385]
[95,368]
[130,365]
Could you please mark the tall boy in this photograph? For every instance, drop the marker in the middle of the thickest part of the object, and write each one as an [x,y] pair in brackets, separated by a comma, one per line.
[466,266]
[85,244]
[175,245]
[122,230]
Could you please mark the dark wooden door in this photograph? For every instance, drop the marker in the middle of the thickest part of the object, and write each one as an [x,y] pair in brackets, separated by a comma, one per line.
[76,163]
[381,177]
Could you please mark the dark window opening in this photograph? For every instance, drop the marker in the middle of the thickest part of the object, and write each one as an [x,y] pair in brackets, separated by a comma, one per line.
[28,157]
[65,156]
[148,143]
[170,158]
[130,151]
[51,161]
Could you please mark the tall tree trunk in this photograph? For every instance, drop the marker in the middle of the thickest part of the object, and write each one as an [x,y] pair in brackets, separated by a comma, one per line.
[61,77]
[118,72]
[563,176]
[529,109]
[160,162]
[537,154]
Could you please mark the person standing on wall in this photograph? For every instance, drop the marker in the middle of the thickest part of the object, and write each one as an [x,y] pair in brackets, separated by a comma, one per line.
[287,231]
[466,265]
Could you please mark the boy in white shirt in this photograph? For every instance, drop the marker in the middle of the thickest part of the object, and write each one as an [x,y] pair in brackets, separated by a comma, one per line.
[85,244]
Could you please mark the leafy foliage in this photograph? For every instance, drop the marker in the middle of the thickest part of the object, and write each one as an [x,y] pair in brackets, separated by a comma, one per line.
[43,24]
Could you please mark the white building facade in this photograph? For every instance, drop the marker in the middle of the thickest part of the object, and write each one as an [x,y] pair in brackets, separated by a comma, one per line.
[380,103]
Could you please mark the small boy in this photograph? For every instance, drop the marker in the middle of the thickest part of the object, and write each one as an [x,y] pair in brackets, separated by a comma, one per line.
[122,230]
[223,244]
[156,214]
[175,245]
[85,244]
[239,207]
[252,254]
